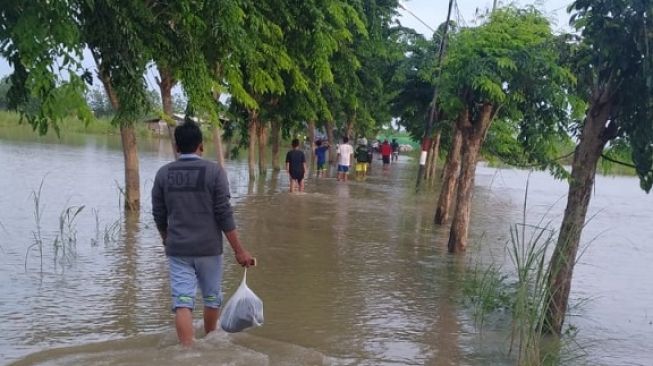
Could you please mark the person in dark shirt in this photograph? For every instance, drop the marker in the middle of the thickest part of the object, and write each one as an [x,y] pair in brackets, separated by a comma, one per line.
[362,160]
[395,150]
[296,166]
[191,209]
[320,153]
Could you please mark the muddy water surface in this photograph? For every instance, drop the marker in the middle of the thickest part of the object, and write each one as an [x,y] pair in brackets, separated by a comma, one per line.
[350,274]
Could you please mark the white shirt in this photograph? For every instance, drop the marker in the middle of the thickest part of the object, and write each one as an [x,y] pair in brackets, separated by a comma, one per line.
[345,152]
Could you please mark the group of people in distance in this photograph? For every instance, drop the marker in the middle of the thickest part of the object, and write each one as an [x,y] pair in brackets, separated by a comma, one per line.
[363,155]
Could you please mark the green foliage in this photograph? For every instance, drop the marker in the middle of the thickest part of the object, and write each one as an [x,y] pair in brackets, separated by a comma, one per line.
[41,42]
[115,32]
[415,81]
[511,63]
[360,96]
[614,64]
[5,85]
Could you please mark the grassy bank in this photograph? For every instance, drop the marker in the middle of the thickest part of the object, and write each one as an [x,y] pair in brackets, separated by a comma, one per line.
[72,125]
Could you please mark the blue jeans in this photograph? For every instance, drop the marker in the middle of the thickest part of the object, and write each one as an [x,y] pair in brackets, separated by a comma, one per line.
[187,272]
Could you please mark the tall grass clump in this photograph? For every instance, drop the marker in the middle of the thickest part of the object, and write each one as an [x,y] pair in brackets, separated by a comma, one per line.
[523,294]
[37,236]
[65,243]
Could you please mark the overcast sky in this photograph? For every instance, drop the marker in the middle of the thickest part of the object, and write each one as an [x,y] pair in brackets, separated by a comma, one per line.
[433,13]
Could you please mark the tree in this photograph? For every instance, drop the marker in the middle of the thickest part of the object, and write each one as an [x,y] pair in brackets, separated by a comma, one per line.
[614,65]
[114,30]
[5,85]
[99,102]
[41,41]
[504,68]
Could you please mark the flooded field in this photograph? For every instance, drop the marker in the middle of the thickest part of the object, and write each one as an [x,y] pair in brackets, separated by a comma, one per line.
[350,274]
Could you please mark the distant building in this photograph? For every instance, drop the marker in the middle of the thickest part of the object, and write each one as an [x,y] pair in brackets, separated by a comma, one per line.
[158,125]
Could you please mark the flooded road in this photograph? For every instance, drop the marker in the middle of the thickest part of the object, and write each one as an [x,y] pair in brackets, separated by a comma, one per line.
[350,274]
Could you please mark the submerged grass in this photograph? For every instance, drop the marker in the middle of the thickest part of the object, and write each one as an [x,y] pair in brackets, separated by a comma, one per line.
[523,295]
[37,235]
[64,244]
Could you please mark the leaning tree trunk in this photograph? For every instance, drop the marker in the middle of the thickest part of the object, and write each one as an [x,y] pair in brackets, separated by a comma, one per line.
[132,179]
[583,170]
[217,129]
[427,165]
[217,144]
[262,134]
[311,137]
[129,148]
[332,143]
[435,152]
[450,178]
[349,127]
[473,135]
[166,84]
[275,137]
[251,153]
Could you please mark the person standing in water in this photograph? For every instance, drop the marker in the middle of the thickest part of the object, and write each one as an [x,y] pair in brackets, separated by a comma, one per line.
[386,151]
[362,159]
[320,153]
[191,209]
[345,152]
[296,166]
[395,150]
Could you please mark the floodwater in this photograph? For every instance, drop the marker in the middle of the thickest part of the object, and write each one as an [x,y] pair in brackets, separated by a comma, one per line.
[350,274]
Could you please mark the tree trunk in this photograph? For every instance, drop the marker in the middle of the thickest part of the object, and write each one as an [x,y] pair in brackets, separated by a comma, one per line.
[132,179]
[262,134]
[165,84]
[349,128]
[129,148]
[251,153]
[427,166]
[275,136]
[311,137]
[332,143]
[217,144]
[217,127]
[450,178]
[435,152]
[586,156]
[473,135]
[228,148]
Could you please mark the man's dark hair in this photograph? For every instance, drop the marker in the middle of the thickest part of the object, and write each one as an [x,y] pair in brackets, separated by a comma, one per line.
[188,137]
[345,139]
[318,143]
[295,142]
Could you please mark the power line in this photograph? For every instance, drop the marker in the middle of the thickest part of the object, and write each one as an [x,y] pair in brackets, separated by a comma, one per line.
[416,17]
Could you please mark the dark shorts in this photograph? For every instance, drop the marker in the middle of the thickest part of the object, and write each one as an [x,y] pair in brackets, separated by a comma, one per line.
[343,168]
[386,159]
[321,166]
[298,176]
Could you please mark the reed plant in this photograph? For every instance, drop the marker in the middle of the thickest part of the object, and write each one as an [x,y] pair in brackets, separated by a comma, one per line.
[37,236]
[65,243]
[522,291]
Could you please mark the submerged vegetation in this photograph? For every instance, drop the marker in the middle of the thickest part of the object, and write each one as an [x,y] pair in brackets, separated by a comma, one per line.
[63,246]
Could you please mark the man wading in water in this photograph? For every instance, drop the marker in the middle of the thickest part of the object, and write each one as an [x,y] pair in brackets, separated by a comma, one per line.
[190,205]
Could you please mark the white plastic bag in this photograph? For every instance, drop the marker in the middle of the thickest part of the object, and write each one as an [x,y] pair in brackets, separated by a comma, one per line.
[243,310]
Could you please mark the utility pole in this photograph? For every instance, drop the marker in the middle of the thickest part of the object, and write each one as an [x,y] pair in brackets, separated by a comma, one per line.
[494,6]
[427,139]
